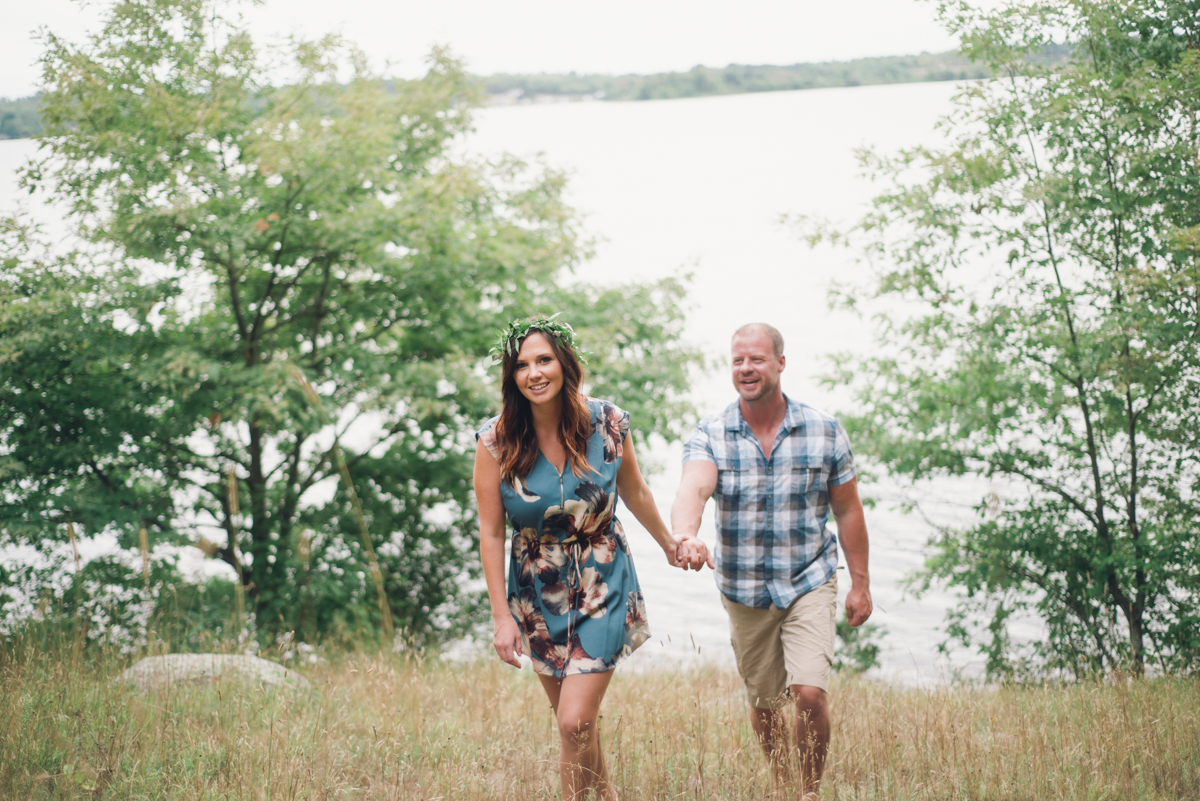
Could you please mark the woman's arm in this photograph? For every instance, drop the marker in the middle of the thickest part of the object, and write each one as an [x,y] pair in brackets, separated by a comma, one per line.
[507,637]
[634,492]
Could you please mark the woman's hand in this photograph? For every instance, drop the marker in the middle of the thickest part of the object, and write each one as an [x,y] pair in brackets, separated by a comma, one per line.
[692,553]
[671,549]
[507,641]
[689,553]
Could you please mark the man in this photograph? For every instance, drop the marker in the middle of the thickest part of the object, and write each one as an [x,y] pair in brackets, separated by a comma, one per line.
[777,467]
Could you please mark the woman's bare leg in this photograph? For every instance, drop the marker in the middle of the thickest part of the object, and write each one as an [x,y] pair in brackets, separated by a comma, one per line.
[576,701]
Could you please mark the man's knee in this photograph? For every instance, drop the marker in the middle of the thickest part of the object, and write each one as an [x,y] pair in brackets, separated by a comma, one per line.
[766,717]
[809,698]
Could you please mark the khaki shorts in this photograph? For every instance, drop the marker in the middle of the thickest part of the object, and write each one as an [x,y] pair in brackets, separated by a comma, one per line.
[777,648]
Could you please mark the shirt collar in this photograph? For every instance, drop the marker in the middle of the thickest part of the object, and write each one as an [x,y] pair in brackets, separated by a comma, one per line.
[793,418]
[795,415]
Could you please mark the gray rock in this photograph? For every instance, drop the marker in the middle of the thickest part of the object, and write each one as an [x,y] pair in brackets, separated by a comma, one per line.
[156,672]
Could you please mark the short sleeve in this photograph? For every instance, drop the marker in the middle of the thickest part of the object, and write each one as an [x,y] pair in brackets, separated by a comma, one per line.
[487,435]
[611,423]
[843,460]
[699,446]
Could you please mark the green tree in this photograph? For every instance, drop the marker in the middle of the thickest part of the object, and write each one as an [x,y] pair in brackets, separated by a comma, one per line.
[1040,328]
[255,221]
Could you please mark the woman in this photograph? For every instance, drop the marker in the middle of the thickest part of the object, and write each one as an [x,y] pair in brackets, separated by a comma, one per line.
[552,460]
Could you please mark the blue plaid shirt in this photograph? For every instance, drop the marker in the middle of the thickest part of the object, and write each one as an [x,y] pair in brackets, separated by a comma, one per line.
[772,542]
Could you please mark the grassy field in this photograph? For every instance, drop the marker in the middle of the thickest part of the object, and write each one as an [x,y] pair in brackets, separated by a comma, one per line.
[409,727]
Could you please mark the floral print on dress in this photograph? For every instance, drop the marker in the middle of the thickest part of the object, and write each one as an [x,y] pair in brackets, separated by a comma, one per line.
[618,534]
[572,587]
[530,621]
[585,662]
[620,656]
[539,555]
[587,521]
[549,657]
[586,594]
[637,629]
[558,658]
[611,425]
[487,435]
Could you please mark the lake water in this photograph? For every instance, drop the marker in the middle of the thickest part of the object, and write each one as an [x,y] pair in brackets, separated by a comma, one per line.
[699,186]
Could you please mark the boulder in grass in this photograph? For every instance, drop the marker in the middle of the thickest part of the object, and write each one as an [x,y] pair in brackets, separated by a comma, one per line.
[156,672]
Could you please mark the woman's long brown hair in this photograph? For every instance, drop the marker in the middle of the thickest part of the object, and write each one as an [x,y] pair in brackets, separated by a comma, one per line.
[515,436]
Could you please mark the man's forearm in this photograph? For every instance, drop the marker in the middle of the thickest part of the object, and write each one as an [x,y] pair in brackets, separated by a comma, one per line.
[852,532]
[686,513]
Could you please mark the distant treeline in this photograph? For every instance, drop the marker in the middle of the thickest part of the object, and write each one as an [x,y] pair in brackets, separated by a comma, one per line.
[19,118]
[740,78]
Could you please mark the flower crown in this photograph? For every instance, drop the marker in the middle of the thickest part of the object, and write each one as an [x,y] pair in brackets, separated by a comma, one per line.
[509,340]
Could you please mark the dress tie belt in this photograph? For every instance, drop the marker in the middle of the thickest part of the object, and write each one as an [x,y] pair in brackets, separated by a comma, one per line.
[574,584]
[575,556]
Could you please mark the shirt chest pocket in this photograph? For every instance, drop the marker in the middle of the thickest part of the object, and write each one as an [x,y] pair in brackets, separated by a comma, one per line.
[804,481]
[733,480]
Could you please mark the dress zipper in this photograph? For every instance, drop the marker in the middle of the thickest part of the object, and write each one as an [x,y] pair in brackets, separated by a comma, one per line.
[575,554]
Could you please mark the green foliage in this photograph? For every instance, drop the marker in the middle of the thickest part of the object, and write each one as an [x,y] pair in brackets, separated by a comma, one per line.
[112,604]
[1048,263]
[859,651]
[248,213]
[19,117]
[509,338]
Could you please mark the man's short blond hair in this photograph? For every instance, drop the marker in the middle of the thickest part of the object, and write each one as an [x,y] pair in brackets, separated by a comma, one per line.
[771,332]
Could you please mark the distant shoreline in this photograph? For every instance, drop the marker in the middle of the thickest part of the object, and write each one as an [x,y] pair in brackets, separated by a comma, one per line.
[701,81]
[19,118]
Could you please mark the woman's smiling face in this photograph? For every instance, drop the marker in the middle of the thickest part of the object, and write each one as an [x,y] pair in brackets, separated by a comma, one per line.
[538,373]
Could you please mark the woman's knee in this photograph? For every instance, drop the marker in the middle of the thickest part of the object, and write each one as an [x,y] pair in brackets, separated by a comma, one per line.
[575,727]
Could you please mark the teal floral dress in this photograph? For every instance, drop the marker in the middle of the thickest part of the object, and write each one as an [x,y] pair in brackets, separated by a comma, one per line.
[571,584]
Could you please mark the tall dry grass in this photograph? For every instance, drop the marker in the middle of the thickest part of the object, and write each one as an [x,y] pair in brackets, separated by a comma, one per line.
[409,727]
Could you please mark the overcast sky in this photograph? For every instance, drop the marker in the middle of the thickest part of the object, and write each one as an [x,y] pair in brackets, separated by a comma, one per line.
[617,36]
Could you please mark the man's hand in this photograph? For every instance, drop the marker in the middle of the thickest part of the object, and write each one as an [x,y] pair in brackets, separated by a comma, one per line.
[692,553]
[507,641]
[858,605]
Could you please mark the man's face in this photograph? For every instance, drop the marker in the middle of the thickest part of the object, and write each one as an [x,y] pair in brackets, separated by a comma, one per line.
[756,368]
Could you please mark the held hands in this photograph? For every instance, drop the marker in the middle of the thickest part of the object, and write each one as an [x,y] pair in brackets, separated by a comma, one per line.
[507,641]
[689,553]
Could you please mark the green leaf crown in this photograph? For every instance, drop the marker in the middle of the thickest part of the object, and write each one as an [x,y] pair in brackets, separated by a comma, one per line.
[510,338]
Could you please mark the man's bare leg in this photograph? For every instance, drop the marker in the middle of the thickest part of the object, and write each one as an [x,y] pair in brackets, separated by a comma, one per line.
[812,736]
[771,730]
[576,701]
